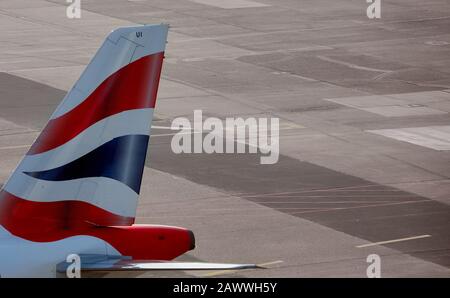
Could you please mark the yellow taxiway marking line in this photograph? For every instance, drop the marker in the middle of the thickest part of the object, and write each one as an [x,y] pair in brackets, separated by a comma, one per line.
[393,241]
[221,272]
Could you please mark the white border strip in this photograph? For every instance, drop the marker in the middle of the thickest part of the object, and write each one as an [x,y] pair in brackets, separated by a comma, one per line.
[105,193]
[132,122]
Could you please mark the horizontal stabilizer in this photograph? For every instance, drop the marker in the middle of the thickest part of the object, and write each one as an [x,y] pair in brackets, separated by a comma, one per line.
[119,263]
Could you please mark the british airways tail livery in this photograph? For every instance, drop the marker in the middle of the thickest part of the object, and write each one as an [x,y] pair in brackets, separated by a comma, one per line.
[76,190]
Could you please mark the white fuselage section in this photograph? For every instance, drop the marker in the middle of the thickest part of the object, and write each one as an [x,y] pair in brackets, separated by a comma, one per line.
[23,258]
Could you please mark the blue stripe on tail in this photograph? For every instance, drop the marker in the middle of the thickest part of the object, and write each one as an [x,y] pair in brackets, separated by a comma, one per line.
[121,159]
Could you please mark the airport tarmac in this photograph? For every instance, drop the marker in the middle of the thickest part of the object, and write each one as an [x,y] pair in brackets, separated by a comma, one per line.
[363,104]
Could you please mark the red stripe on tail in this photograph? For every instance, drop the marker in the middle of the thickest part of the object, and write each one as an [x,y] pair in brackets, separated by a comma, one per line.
[132,87]
[36,220]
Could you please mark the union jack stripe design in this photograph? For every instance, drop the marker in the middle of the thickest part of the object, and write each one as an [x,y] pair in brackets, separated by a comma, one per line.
[85,168]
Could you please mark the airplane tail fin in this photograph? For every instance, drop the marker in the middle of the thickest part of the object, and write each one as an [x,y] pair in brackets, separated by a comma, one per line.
[86,166]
